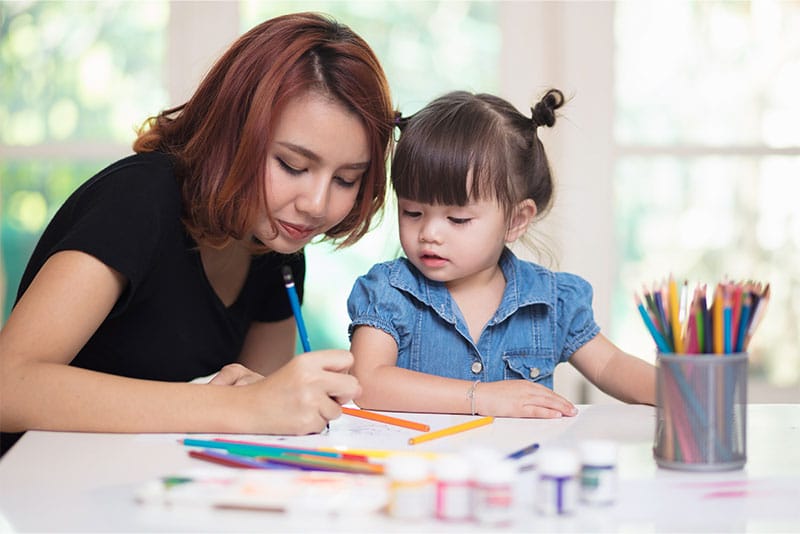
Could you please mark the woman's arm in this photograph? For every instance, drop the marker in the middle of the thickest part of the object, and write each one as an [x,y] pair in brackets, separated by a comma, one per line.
[269,346]
[61,309]
[617,373]
[388,387]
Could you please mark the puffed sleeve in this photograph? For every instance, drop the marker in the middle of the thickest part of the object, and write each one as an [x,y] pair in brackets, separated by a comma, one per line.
[576,324]
[374,302]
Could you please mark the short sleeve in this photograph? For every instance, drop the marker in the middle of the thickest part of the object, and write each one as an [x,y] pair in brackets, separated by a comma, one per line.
[121,220]
[374,302]
[576,324]
[120,217]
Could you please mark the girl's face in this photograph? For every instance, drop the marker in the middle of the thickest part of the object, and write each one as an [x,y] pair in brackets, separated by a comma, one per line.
[452,243]
[315,163]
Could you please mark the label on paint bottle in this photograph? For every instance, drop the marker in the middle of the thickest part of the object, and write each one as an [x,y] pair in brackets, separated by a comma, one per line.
[557,489]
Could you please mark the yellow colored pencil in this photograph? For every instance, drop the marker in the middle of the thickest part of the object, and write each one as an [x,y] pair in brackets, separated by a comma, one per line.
[674,315]
[469,425]
[377,453]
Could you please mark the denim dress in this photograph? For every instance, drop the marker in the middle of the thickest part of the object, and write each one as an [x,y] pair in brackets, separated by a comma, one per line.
[543,318]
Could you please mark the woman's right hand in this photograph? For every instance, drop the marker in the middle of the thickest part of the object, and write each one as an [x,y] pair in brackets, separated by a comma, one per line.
[520,398]
[303,395]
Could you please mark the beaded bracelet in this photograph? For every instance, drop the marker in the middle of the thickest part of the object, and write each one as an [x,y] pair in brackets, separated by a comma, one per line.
[471,395]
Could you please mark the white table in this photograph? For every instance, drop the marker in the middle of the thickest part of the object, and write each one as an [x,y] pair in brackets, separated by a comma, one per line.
[82,482]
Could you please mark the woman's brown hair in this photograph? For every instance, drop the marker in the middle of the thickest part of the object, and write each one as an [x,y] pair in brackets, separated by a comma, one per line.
[218,138]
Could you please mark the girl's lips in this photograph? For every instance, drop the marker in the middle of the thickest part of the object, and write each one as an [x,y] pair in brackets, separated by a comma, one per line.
[297,232]
[432,260]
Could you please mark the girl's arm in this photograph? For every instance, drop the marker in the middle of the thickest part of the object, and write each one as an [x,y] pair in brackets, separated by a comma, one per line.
[66,303]
[617,373]
[388,387]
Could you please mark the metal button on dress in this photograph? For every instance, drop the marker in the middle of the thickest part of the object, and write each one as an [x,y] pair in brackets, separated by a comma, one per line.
[534,372]
[477,367]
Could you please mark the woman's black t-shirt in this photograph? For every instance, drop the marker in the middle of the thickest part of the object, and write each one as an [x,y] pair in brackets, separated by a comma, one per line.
[168,324]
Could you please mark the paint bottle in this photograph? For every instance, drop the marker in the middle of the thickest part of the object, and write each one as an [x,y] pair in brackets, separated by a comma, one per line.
[453,488]
[598,472]
[557,490]
[493,492]
[410,487]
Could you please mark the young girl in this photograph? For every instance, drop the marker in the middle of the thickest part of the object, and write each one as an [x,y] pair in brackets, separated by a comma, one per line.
[166,265]
[461,325]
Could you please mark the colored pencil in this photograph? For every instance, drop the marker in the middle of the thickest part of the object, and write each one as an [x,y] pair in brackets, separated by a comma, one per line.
[757,315]
[661,343]
[232,460]
[716,319]
[662,316]
[386,419]
[744,321]
[525,451]
[378,453]
[254,449]
[469,425]
[297,450]
[329,464]
[727,321]
[288,281]
[674,315]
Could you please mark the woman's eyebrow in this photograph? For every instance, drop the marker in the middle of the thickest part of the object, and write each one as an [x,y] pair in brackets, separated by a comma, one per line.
[313,156]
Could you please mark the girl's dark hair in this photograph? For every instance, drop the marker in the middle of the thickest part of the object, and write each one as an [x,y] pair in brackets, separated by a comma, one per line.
[462,133]
[219,137]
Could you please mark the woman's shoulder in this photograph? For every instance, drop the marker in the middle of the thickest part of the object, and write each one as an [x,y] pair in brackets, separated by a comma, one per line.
[146,170]
[147,178]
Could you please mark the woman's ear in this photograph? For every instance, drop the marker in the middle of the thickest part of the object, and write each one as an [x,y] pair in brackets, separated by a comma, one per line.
[523,214]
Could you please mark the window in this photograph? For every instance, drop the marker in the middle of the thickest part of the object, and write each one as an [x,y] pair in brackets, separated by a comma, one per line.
[77,78]
[708,167]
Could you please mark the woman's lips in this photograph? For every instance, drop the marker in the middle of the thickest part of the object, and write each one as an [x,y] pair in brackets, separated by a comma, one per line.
[298,232]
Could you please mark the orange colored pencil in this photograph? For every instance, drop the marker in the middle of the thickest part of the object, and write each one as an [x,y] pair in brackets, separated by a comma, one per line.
[386,419]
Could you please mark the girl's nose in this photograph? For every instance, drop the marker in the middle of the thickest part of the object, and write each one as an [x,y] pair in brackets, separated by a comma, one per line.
[429,232]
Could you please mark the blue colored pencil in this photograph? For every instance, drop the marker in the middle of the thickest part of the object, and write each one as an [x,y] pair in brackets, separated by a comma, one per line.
[661,343]
[255,449]
[727,312]
[525,451]
[744,322]
[288,280]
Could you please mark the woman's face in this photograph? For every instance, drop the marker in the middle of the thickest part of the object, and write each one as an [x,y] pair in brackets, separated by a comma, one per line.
[315,163]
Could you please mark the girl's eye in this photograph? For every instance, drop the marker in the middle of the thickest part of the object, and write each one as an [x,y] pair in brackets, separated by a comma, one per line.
[412,214]
[288,168]
[459,220]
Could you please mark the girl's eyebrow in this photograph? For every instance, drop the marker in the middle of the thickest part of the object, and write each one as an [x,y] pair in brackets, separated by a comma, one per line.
[313,156]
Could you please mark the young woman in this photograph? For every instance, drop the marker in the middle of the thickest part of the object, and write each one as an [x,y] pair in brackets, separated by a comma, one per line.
[166,265]
[461,325]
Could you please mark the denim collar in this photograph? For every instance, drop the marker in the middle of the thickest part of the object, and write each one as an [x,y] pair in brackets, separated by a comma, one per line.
[526,284]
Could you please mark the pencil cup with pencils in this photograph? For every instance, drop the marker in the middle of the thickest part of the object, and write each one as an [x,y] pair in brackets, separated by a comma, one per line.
[701,412]
[701,371]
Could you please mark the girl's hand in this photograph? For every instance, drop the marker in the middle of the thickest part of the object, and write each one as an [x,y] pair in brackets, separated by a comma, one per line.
[235,374]
[303,395]
[520,398]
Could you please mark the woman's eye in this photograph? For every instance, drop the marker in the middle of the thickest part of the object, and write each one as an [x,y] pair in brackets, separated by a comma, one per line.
[288,168]
[459,220]
[344,182]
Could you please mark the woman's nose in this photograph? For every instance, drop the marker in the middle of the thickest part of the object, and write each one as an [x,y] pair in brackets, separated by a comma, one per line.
[314,199]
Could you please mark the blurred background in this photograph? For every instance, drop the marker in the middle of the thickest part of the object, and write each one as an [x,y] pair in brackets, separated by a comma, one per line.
[677,153]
